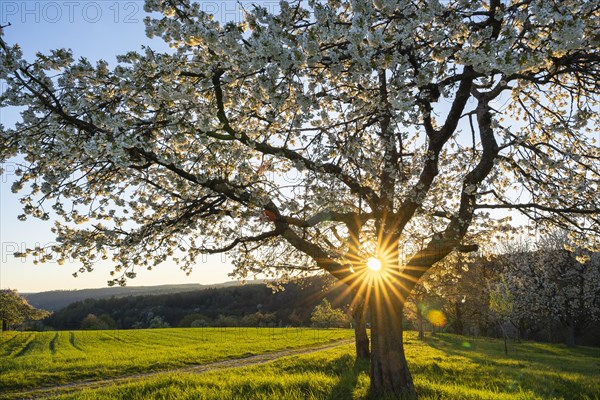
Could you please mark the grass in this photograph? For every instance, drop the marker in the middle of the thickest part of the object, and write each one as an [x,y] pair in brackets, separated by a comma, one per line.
[35,359]
[444,367]
[456,367]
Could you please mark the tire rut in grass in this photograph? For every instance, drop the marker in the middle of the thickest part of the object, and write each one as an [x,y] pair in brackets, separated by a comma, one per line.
[50,392]
[72,341]
[10,345]
[52,344]
[27,346]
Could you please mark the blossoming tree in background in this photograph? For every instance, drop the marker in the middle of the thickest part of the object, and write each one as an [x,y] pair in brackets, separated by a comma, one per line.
[316,138]
[16,310]
[554,284]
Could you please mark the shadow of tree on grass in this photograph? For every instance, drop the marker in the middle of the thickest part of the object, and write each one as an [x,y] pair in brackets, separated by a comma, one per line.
[547,371]
[349,376]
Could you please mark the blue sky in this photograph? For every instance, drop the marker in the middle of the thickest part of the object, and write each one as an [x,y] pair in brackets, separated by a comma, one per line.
[98,29]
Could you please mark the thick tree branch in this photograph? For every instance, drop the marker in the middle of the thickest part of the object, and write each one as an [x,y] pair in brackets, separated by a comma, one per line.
[436,143]
[443,244]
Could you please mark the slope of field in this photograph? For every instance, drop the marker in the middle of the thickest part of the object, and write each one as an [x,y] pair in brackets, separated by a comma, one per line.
[444,367]
[35,359]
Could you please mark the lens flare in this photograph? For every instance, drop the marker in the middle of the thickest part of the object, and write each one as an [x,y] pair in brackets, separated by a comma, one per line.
[437,318]
[374,264]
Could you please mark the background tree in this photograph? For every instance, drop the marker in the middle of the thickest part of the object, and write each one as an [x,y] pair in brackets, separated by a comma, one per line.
[436,290]
[93,322]
[227,320]
[442,282]
[475,284]
[414,310]
[454,286]
[190,319]
[550,283]
[325,316]
[199,323]
[15,310]
[259,319]
[158,322]
[308,126]
[502,306]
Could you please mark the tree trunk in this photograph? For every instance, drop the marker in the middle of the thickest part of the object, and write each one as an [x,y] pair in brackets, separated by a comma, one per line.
[458,325]
[360,331]
[420,323]
[359,309]
[390,375]
[505,337]
[570,335]
[520,329]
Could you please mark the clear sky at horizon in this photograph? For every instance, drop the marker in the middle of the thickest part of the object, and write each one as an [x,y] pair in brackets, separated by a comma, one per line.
[99,29]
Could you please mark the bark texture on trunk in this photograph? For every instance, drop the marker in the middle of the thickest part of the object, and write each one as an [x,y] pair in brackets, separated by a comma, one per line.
[389,370]
[360,331]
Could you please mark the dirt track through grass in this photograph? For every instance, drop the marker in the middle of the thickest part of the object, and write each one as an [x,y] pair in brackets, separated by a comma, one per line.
[47,392]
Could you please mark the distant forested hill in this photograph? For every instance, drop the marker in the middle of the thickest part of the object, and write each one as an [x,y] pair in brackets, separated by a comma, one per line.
[223,306]
[57,299]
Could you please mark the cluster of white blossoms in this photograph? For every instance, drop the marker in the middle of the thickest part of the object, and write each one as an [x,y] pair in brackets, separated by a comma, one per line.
[552,283]
[406,115]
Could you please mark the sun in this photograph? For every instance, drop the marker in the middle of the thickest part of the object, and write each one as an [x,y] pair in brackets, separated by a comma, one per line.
[374,264]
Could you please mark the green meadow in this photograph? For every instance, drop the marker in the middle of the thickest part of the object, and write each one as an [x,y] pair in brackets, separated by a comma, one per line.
[444,367]
[34,359]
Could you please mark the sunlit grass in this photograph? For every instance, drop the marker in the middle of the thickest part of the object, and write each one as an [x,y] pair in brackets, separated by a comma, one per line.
[34,359]
[444,367]
[449,366]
